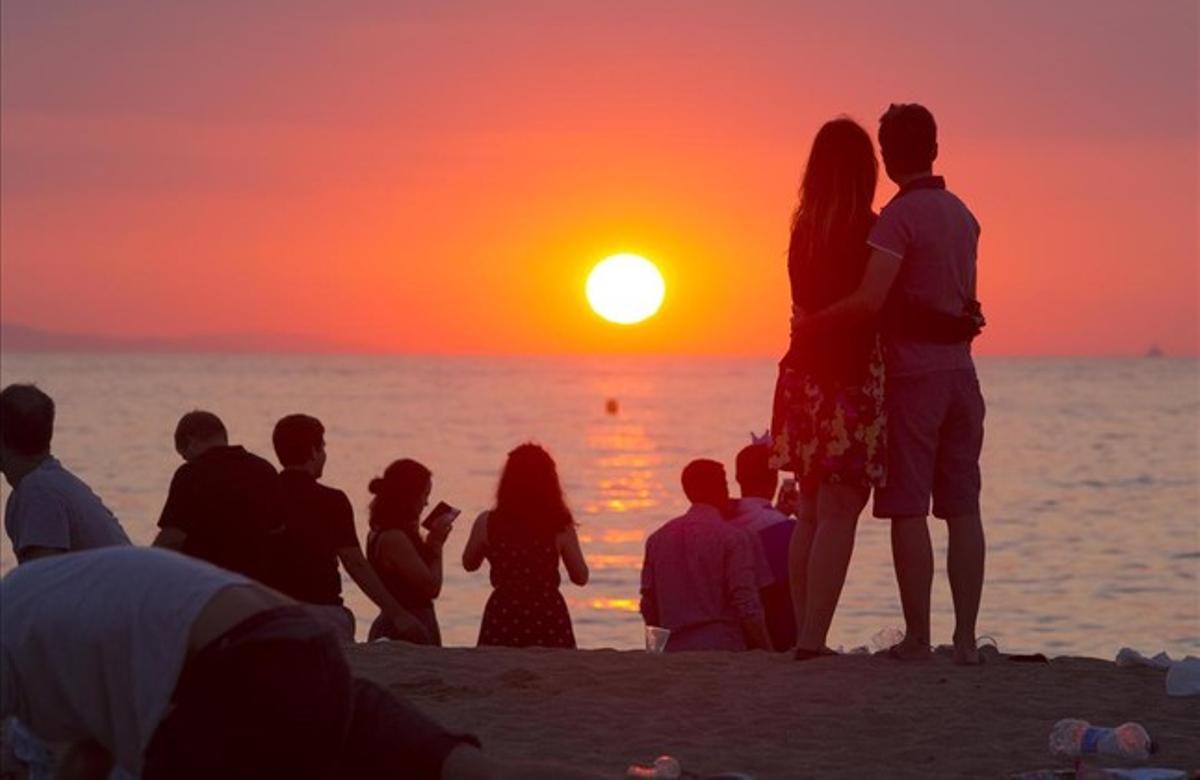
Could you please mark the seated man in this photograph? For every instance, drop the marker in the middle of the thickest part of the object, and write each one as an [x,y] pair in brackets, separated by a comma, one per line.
[221,503]
[698,577]
[318,531]
[772,530]
[50,510]
[171,668]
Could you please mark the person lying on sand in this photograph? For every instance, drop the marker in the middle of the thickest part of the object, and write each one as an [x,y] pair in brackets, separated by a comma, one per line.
[172,668]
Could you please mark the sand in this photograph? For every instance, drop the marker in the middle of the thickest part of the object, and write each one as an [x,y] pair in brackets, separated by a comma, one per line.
[848,716]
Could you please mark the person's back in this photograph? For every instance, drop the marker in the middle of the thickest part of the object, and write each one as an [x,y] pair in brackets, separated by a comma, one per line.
[318,521]
[937,237]
[702,573]
[776,540]
[50,510]
[93,642]
[526,607]
[224,503]
[54,509]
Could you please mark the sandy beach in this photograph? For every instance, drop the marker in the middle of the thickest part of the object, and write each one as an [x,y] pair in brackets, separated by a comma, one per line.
[849,716]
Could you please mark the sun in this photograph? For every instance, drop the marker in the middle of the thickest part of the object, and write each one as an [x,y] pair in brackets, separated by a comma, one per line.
[625,288]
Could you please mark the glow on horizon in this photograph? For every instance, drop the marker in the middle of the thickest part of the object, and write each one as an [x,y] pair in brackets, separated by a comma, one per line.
[439,179]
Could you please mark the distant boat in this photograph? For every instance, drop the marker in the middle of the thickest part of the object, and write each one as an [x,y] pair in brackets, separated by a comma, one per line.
[611,406]
[1154,352]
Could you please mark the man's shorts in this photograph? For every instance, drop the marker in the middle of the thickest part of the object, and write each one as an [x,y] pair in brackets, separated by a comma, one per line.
[935,436]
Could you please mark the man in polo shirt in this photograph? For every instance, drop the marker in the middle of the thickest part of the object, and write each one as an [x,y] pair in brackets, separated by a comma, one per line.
[924,257]
[221,503]
[50,510]
[318,532]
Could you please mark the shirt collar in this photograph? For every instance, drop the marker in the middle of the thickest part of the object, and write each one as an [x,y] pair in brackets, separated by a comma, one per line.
[923,183]
[705,511]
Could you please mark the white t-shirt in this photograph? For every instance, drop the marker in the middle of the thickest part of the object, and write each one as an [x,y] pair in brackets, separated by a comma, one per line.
[92,643]
[51,507]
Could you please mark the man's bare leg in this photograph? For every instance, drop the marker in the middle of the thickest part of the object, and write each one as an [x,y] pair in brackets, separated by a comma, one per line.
[912,556]
[965,565]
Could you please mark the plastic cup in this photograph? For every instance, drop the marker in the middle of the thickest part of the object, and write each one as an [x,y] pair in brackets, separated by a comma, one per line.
[656,639]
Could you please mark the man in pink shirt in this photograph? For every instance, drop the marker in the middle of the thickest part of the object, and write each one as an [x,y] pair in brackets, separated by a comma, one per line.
[699,578]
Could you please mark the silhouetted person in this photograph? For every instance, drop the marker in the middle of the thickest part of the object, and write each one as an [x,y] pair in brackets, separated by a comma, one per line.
[318,531]
[829,423]
[923,255]
[221,503]
[772,531]
[50,510]
[171,668]
[523,538]
[698,576]
[409,565]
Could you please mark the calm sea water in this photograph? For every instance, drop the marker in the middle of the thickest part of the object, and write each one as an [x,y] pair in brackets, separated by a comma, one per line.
[1091,492]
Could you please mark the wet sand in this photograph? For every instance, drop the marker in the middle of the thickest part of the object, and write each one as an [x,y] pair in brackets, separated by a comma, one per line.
[848,716]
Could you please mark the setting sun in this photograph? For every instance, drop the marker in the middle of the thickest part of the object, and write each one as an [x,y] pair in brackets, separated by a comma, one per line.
[625,289]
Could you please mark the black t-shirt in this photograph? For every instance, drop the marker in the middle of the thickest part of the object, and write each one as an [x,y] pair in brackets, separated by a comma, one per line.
[317,522]
[224,501]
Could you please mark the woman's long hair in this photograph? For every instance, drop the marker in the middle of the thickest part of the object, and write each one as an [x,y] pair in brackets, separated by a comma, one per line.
[398,494]
[529,499]
[837,190]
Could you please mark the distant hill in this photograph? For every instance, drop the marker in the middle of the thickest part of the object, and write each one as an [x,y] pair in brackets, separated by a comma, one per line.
[15,337]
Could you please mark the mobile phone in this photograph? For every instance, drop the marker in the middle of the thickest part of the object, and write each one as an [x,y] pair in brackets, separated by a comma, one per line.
[442,508]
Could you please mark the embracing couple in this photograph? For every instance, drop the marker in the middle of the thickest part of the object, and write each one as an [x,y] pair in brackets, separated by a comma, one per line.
[878,389]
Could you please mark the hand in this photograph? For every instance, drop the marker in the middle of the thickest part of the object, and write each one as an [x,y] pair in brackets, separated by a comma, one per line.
[440,530]
[788,500]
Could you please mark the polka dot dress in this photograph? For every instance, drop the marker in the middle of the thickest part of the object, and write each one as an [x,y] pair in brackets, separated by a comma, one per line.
[525,608]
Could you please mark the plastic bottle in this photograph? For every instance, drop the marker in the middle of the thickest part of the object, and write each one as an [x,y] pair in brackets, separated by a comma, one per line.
[1074,738]
[664,767]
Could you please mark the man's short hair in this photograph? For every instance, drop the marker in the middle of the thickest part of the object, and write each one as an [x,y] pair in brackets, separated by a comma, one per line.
[26,419]
[295,437]
[704,480]
[198,426]
[907,138]
[754,466]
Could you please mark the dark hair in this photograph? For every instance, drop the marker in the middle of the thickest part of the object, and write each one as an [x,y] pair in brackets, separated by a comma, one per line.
[529,498]
[295,437]
[26,419]
[398,494]
[837,189]
[907,139]
[754,471]
[198,426]
[704,481]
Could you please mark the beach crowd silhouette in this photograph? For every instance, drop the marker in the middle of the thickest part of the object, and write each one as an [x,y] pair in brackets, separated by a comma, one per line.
[217,652]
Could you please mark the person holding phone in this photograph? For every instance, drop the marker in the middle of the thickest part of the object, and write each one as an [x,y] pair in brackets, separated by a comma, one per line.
[409,565]
[524,537]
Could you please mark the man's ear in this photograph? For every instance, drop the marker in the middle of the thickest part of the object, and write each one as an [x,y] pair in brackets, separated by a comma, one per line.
[935,151]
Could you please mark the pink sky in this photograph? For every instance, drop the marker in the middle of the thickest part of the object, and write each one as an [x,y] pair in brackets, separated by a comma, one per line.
[442,180]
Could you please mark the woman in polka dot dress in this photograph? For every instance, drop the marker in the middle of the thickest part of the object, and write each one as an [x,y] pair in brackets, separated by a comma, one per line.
[523,538]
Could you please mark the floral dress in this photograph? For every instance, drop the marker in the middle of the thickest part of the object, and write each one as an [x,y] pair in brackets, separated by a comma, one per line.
[525,608]
[826,430]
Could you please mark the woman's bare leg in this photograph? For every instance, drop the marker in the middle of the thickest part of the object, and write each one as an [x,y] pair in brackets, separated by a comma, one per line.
[838,508]
[798,555]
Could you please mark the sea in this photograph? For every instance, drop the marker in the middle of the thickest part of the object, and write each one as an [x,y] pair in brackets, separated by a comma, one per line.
[1091,472]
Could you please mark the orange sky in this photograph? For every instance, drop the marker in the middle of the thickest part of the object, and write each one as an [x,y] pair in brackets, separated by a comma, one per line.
[442,180]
